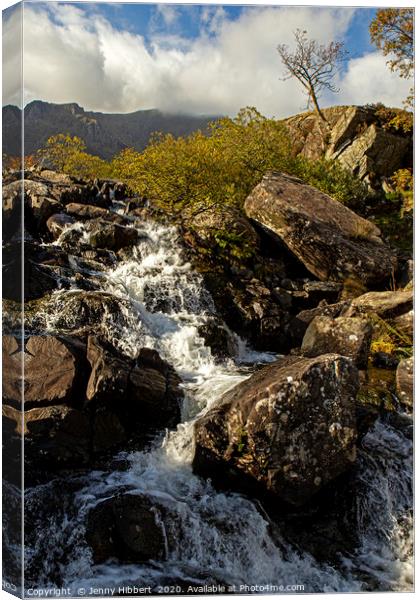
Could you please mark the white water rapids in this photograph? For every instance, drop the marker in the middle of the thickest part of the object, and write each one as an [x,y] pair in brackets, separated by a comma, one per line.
[223,537]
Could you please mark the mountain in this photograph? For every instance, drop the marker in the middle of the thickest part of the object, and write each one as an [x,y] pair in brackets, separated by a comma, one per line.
[104,134]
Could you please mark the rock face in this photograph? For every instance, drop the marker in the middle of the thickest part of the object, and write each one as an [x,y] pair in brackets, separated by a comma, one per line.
[355,138]
[128,527]
[331,241]
[82,399]
[286,431]
[349,337]
[405,381]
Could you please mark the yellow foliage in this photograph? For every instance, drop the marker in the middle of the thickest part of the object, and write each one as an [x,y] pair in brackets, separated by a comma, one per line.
[184,176]
[404,185]
[67,154]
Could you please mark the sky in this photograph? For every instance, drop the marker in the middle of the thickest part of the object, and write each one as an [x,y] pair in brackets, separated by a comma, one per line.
[193,59]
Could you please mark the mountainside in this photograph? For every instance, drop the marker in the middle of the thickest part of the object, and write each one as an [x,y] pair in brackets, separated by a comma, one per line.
[104,134]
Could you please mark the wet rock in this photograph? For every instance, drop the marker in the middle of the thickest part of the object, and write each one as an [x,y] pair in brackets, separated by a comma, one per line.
[285,432]
[143,393]
[81,194]
[218,338]
[405,381]
[250,310]
[127,527]
[107,430]
[57,223]
[111,235]
[329,239]
[39,277]
[55,436]
[82,312]
[347,336]
[110,372]
[154,393]
[384,304]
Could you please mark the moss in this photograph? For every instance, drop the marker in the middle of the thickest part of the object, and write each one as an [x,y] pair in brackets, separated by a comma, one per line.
[378,390]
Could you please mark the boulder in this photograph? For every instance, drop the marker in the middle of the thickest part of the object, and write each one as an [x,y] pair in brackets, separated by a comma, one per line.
[348,336]
[211,222]
[405,381]
[87,211]
[386,305]
[110,371]
[143,393]
[39,277]
[11,207]
[111,235]
[50,371]
[58,222]
[54,177]
[218,338]
[154,393]
[54,372]
[285,432]
[252,311]
[127,527]
[328,238]
[55,436]
[39,210]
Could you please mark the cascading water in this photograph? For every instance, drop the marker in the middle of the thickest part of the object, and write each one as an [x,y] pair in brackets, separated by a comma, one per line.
[222,537]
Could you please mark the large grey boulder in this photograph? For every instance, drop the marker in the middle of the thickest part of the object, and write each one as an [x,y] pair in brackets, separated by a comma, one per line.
[347,336]
[328,238]
[286,431]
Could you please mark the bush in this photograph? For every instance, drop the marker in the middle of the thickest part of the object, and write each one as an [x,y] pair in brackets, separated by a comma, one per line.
[67,154]
[184,176]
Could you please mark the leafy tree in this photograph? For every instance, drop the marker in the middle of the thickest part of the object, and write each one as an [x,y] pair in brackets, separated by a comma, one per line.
[67,154]
[60,148]
[313,65]
[392,31]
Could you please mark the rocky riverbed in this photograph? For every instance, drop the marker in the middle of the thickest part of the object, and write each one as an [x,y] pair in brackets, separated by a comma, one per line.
[192,424]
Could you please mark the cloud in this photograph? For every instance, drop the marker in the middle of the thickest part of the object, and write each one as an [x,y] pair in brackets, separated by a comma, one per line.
[370,80]
[70,56]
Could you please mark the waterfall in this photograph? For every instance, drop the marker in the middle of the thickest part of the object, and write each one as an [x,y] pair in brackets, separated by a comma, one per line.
[223,537]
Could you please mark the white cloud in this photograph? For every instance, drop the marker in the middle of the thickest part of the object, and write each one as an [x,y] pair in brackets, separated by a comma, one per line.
[370,80]
[72,57]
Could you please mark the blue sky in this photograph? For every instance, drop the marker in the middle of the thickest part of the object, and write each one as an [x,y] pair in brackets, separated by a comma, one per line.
[144,20]
[201,59]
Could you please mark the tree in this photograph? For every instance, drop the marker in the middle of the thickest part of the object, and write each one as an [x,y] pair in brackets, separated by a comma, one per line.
[60,149]
[314,65]
[392,31]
